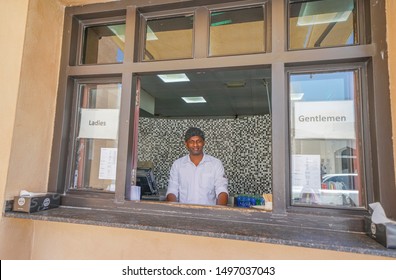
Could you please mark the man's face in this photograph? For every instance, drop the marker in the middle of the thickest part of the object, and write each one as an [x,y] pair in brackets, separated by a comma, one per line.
[195,145]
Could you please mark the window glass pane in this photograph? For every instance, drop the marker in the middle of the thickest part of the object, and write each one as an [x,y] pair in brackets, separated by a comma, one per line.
[323,23]
[325,140]
[104,44]
[234,111]
[95,152]
[169,38]
[237,32]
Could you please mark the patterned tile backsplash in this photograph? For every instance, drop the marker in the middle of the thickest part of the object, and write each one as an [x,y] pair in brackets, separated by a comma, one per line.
[243,145]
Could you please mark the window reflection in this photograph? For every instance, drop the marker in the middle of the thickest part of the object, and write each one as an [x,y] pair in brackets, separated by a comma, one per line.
[169,38]
[239,31]
[104,44]
[323,23]
[95,152]
[325,140]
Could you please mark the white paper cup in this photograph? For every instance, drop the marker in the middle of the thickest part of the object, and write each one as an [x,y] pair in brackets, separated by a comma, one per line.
[268,205]
[134,193]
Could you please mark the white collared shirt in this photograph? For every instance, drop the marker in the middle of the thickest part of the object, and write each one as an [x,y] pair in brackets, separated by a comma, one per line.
[197,184]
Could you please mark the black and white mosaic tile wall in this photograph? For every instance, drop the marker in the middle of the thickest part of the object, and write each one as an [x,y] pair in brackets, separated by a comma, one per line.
[242,144]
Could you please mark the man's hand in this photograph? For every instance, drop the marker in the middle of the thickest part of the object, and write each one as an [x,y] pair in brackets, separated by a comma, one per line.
[171,197]
[222,199]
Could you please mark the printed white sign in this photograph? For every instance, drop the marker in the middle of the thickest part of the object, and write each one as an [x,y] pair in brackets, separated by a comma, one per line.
[99,124]
[324,120]
[306,171]
[108,163]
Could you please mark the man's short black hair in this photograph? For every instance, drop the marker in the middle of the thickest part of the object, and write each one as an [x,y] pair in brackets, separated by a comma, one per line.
[194,131]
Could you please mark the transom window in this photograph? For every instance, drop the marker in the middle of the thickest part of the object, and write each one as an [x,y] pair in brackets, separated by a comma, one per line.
[103,44]
[169,38]
[323,23]
[239,31]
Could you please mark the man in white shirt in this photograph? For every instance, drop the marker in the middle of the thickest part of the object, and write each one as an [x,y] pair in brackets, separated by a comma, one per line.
[197,178]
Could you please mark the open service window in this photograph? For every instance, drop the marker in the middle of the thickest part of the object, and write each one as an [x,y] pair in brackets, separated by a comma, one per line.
[326,155]
[231,106]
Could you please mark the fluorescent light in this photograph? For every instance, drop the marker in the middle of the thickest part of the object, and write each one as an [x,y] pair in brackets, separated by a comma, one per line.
[174,78]
[296,96]
[236,84]
[223,22]
[194,99]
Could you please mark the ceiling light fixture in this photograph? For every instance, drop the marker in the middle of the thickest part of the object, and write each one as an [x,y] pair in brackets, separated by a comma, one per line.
[174,78]
[236,84]
[223,22]
[194,99]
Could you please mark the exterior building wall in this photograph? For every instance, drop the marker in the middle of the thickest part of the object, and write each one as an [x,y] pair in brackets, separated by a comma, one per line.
[29,76]
[95,242]
[15,236]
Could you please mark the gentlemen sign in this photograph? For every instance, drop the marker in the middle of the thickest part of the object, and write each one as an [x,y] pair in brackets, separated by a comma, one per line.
[99,123]
[324,120]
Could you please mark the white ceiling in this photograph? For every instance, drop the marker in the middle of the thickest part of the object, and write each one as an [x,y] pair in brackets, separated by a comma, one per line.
[228,93]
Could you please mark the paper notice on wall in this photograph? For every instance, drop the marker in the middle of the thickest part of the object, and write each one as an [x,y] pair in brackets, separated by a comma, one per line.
[108,163]
[324,120]
[99,124]
[306,171]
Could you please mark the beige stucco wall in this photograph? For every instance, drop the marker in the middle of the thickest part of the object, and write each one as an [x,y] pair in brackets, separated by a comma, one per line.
[30,56]
[13,16]
[12,31]
[35,110]
[116,243]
